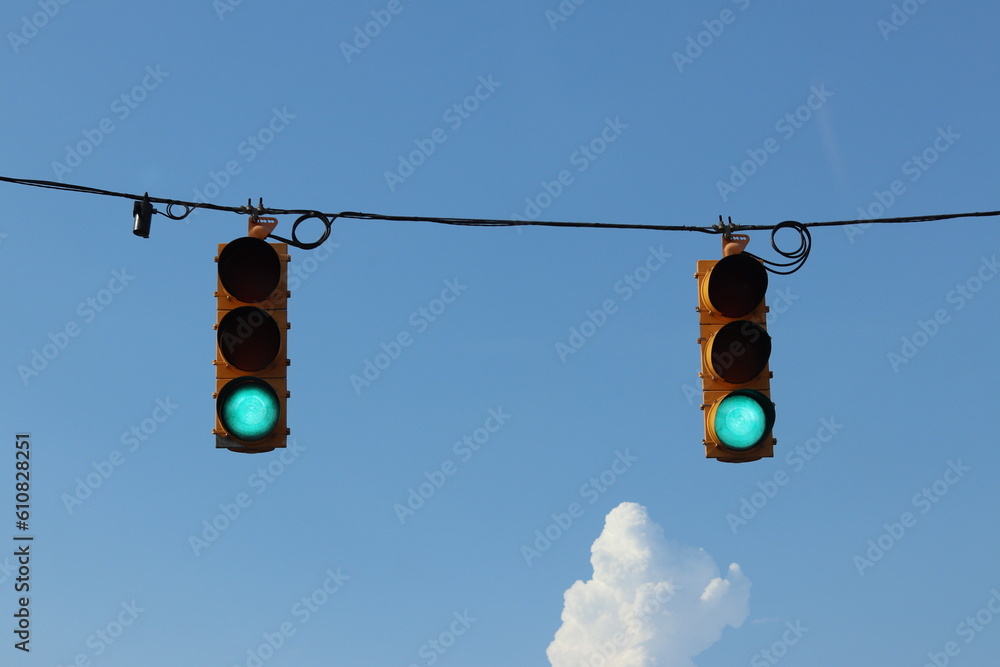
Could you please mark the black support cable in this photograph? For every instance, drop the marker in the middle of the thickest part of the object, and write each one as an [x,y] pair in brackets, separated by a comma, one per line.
[489,222]
[915,218]
[798,256]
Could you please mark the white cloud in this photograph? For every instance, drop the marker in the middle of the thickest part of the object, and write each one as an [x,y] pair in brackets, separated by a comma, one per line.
[650,601]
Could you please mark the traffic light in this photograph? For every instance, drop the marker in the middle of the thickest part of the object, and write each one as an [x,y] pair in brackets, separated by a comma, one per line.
[251,359]
[735,349]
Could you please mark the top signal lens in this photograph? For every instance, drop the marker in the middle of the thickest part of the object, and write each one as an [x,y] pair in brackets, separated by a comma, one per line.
[736,285]
[249,269]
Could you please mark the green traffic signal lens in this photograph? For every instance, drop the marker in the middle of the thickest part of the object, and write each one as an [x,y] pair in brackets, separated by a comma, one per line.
[742,419]
[249,409]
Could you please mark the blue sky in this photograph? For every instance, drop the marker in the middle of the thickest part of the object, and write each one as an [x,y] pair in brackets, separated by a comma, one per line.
[865,540]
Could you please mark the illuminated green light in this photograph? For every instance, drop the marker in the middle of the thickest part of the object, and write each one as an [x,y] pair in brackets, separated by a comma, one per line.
[741,420]
[249,409]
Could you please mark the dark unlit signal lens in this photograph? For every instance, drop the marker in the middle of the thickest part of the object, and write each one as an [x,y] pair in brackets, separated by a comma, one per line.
[249,338]
[736,285]
[738,352]
[249,269]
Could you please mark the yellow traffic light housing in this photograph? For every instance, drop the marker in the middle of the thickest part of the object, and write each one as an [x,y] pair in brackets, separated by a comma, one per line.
[251,353]
[735,350]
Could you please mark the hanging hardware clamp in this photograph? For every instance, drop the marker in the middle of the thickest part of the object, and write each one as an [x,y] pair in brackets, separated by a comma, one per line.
[734,244]
[261,226]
